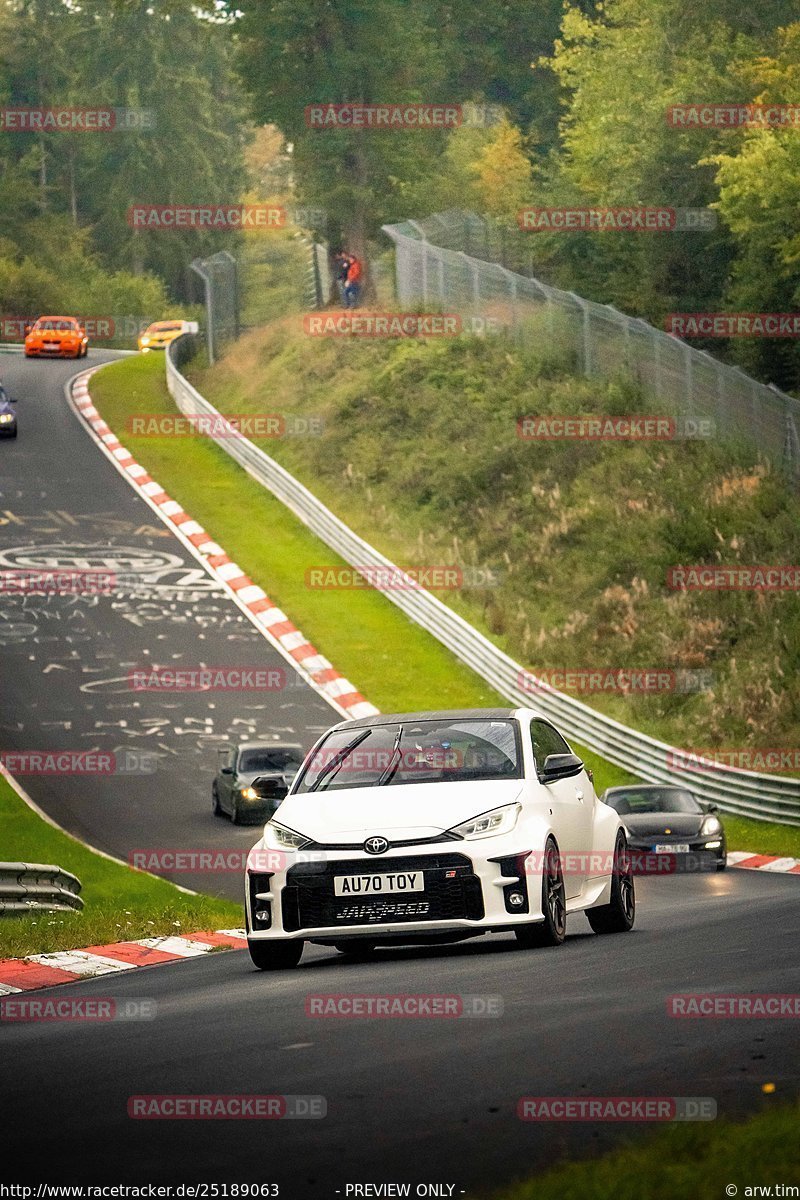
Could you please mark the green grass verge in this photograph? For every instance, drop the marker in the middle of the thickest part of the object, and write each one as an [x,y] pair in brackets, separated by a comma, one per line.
[684,1162]
[119,903]
[764,837]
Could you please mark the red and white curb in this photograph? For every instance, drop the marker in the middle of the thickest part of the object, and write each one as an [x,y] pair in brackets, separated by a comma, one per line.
[271,620]
[65,966]
[763,862]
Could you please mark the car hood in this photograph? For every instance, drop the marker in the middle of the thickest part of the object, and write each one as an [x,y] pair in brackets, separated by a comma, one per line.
[395,811]
[663,824]
[245,778]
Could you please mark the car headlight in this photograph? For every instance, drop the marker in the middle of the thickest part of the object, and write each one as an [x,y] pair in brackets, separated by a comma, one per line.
[710,827]
[248,793]
[144,341]
[489,824]
[6,418]
[278,837]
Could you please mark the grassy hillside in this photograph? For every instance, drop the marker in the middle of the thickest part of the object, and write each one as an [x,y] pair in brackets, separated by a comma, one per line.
[421,456]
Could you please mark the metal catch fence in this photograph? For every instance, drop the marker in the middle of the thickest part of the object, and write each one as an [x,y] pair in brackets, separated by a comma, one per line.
[436,265]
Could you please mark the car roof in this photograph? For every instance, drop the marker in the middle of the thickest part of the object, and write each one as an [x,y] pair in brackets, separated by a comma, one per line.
[54,317]
[448,714]
[269,746]
[648,787]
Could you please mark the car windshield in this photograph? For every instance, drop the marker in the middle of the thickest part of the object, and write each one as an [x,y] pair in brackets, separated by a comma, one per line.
[653,800]
[426,751]
[46,324]
[165,328]
[270,760]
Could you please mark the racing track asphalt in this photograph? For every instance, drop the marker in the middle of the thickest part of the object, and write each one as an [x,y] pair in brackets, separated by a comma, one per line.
[411,1100]
[64,660]
[423,1101]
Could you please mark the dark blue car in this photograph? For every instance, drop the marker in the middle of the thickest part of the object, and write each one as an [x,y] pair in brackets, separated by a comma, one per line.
[8,417]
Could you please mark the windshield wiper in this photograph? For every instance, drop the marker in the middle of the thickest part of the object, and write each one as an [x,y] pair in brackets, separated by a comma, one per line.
[391,768]
[339,758]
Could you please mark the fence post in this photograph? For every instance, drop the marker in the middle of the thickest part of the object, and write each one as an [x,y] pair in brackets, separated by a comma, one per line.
[791,449]
[513,281]
[587,333]
[689,379]
[424,238]
[198,266]
[236,302]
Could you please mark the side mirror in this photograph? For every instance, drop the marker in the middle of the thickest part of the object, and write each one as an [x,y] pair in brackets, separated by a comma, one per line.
[711,808]
[27,327]
[226,770]
[560,766]
[12,399]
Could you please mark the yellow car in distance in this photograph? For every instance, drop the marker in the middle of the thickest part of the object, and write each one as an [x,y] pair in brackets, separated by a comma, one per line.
[159,335]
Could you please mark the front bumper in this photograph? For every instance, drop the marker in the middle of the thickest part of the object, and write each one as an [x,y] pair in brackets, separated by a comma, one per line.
[646,860]
[59,351]
[464,892]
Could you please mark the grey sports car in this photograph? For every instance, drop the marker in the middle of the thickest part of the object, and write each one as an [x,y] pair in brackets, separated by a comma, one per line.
[253,778]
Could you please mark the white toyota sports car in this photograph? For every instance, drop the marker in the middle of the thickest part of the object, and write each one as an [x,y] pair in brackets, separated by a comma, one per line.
[434,827]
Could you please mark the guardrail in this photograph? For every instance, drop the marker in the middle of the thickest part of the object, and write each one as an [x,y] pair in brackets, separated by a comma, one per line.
[763,797]
[33,886]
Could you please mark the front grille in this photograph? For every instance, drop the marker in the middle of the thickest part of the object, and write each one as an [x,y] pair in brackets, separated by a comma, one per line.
[452,892]
[447,836]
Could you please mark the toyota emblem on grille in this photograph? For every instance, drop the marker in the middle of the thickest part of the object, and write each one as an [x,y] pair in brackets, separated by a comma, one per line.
[376,845]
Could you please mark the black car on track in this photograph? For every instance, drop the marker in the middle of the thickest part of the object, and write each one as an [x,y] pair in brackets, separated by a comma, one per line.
[664,820]
[8,417]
